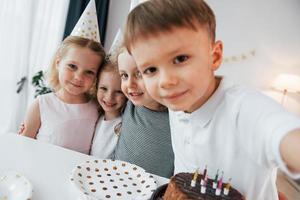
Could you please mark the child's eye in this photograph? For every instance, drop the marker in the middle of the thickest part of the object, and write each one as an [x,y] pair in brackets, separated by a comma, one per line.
[119,92]
[180,59]
[150,70]
[124,76]
[72,66]
[103,88]
[90,73]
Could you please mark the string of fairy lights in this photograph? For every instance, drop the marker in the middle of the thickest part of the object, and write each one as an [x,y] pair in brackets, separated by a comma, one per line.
[240,57]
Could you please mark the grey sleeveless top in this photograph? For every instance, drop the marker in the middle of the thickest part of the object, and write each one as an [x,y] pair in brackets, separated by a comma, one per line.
[145,140]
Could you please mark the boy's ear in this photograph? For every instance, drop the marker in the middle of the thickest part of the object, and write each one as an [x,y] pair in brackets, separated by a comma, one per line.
[217,54]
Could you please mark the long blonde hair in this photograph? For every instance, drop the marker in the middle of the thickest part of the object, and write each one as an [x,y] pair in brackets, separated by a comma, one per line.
[71,42]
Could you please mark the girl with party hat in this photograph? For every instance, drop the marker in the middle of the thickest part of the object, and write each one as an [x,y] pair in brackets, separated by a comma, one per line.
[67,116]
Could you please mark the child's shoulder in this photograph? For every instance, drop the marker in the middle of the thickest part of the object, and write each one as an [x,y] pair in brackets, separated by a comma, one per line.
[45,97]
[241,97]
[236,92]
[142,112]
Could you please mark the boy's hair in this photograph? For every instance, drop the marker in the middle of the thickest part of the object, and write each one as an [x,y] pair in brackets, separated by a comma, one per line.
[70,42]
[158,16]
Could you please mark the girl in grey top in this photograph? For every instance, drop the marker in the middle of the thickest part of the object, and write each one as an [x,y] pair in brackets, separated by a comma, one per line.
[145,138]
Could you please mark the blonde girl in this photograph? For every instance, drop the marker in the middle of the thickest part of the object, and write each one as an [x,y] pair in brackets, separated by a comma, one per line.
[67,116]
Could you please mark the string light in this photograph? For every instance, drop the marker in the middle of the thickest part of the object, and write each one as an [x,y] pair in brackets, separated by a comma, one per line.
[241,57]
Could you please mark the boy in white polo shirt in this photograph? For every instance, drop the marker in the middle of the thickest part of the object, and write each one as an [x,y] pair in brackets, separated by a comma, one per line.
[213,122]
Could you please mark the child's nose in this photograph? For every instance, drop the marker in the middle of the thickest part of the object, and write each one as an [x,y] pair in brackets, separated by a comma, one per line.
[167,79]
[109,97]
[131,82]
[78,76]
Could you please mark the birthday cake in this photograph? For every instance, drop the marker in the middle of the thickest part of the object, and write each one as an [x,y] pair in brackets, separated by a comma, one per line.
[184,186]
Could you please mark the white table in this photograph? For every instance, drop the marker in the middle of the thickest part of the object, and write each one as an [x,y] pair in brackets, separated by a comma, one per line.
[47,167]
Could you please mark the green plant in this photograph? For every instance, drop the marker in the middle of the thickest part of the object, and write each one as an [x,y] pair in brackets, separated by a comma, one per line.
[38,81]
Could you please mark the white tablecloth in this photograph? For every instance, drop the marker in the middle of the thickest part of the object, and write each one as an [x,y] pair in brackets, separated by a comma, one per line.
[47,167]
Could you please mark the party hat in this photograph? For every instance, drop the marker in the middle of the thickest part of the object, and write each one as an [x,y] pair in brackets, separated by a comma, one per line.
[117,43]
[87,25]
[134,3]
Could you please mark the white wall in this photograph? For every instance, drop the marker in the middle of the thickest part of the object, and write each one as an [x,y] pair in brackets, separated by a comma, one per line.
[271,28]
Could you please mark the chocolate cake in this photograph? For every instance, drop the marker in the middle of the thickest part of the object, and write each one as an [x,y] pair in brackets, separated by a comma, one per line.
[180,188]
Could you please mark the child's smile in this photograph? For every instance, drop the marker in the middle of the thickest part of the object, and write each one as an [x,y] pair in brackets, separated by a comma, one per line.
[181,74]
[109,93]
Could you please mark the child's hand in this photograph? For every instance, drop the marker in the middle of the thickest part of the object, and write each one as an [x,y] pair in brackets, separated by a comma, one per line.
[21,128]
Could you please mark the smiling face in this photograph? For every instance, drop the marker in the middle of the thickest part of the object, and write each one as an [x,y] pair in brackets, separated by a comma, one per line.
[132,83]
[178,66]
[77,71]
[109,94]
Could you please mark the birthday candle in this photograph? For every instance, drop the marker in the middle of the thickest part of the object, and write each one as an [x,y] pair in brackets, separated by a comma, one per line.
[219,188]
[217,175]
[203,188]
[204,175]
[220,182]
[227,187]
[193,182]
[216,180]
[205,171]
[205,178]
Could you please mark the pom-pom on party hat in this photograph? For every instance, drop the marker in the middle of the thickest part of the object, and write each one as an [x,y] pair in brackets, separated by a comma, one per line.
[87,25]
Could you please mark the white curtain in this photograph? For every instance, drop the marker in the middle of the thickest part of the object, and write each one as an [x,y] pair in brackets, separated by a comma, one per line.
[31,30]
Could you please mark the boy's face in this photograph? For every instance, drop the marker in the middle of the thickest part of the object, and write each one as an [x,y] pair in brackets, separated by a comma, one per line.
[178,67]
[132,83]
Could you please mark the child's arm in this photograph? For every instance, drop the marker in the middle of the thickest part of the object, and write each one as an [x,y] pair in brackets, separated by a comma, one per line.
[32,120]
[290,150]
